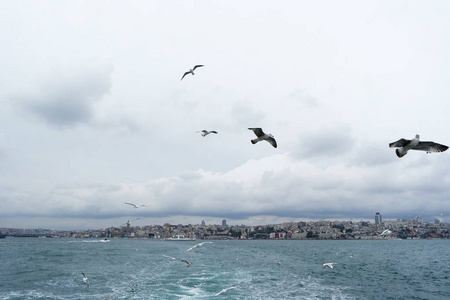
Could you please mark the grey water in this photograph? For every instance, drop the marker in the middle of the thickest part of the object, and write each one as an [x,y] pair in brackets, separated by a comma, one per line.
[34,268]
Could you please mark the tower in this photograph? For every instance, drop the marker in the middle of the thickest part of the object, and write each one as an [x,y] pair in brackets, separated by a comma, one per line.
[224,222]
[377,218]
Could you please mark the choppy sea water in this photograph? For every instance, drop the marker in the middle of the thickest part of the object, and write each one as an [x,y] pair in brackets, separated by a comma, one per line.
[33,268]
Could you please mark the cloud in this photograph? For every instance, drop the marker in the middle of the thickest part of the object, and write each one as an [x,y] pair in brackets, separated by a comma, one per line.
[3,145]
[325,143]
[246,115]
[278,186]
[67,97]
[302,97]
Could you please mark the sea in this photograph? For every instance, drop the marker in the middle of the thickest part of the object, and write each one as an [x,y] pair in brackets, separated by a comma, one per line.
[51,268]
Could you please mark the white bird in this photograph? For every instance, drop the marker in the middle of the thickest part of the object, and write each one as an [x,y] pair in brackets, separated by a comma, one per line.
[206,132]
[414,144]
[263,137]
[224,290]
[198,245]
[85,279]
[329,265]
[191,71]
[134,205]
[386,232]
[177,258]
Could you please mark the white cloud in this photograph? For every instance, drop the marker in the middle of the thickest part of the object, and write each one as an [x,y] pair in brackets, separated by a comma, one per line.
[273,186]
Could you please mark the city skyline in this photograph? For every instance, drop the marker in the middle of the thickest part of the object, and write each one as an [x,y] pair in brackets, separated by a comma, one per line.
[226,222]
[94,114]
[414,228]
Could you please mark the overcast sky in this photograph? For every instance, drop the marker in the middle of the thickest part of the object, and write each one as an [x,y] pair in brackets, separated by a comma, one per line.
[93,113]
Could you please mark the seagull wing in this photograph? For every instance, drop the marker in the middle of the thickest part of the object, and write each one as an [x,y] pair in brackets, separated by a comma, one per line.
[191,248]
[399,143]
[258,131]
[272,141]
[430,147]
[198,245]
[197,66]
[224,290]
[212,131]
[131,204]
[185,74]
[188,263]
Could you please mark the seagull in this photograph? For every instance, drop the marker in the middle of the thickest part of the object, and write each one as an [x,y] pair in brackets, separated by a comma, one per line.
[206,132]
[263,137]
[185,261]
[329,265]
[191,71]
[198,245]
[134,205]
[415,144]
[386,232]
[224,290]
[85,279]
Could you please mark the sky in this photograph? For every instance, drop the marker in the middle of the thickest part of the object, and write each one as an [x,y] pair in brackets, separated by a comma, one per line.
[93,112]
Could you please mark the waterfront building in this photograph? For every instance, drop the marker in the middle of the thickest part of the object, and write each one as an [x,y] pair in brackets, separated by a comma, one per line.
[377,218]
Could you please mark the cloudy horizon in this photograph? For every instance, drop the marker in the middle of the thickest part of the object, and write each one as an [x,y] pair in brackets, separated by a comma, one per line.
[94,113]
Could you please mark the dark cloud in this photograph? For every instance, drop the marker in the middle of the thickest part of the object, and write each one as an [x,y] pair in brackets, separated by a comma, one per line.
[67,98]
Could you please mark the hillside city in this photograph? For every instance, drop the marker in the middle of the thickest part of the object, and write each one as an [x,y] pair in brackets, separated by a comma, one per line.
[414,228]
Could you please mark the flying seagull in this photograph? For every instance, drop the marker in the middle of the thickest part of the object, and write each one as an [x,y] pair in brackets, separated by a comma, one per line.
[185,261]
[414,144]
[386,232]
[329,265]
[198,245]
[261,136]
[224,290]
[85,279]
[134,205]
[191,71]
[206,132]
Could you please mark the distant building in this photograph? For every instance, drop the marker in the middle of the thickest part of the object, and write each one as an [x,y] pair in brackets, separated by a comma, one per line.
[203,223]
[224,222]
[377,218]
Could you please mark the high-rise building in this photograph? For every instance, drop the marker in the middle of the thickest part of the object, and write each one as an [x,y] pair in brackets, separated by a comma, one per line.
[203,223]
[224,222]
[377,218]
